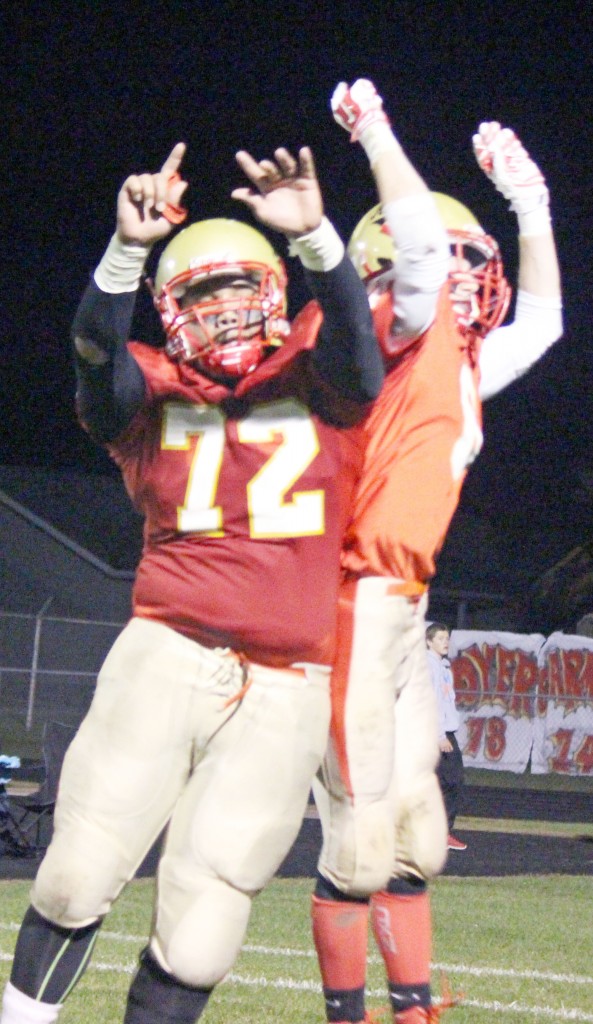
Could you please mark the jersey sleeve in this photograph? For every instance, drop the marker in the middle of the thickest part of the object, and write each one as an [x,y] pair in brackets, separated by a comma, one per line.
[110,388]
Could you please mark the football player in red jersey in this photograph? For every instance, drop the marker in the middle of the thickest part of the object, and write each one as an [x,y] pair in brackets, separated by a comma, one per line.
[237,442]
[434,297]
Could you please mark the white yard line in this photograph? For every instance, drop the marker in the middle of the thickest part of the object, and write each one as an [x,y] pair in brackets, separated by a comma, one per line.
[289,984]
[290,953]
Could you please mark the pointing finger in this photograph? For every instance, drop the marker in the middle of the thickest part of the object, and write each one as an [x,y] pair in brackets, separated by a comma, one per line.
[173,161]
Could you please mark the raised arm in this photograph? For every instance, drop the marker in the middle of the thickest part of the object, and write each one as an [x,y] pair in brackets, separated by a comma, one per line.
[286,197]
[508,352]
[110,385]
[408,207]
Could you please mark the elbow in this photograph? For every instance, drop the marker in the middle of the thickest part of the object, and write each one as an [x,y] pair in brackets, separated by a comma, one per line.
[90,352]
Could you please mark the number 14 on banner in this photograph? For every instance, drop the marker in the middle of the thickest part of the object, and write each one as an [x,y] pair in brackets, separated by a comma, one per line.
[579,763]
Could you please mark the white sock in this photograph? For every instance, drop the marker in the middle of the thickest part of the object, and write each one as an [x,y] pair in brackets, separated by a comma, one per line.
[17,1008]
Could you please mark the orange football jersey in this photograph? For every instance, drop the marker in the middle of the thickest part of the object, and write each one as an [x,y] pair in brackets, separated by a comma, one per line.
[422,433]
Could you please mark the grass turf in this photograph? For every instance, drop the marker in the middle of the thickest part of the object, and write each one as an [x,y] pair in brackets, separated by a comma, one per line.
[519,948]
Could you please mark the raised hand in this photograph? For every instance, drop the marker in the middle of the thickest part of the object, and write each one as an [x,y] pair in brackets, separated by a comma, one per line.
[148,204]
[357,106]
[286,194]
[507,163]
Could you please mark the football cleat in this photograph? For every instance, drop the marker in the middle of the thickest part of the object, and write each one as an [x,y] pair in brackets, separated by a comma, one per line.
[430,1014]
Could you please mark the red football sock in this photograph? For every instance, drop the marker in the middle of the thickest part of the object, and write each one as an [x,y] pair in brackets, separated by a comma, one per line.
[403,930]
[340,936]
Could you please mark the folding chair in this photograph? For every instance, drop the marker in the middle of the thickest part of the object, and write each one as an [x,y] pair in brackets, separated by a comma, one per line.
[27,814]
[10,842]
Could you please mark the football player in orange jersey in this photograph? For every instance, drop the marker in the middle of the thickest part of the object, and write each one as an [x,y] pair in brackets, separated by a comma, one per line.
[384,827]
[212,707]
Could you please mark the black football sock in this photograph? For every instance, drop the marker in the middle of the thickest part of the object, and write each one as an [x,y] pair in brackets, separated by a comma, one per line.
[155,997]
[48,959]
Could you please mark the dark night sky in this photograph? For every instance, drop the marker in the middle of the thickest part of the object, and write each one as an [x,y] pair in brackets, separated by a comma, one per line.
[91,95]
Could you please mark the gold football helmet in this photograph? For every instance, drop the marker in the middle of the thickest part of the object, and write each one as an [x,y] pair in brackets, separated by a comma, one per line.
[220,289]
[480,292]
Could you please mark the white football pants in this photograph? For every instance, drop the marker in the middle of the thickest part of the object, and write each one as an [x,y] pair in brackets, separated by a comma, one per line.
[169,737]
[377,792]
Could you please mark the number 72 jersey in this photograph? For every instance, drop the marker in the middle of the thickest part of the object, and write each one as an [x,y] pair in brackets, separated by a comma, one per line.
[245,505]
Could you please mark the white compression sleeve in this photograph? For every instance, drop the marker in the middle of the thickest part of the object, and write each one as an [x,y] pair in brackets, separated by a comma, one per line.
[121,267]
[508,352]
[321,249]
[422,261]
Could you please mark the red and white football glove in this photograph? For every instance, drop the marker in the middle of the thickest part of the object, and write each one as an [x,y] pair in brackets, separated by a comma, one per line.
[357,106]
[359,109]
[507,163]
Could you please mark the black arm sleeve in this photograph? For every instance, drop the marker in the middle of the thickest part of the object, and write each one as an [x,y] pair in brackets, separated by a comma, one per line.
[108,395]
[347,354]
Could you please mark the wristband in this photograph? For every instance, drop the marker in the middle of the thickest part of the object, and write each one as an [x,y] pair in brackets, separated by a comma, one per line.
[321,249]
[535,222]
[121,268]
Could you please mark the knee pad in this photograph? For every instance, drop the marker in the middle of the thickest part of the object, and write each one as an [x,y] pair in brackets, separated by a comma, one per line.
[421,830]
[200,926]
[72,891]
[358,854]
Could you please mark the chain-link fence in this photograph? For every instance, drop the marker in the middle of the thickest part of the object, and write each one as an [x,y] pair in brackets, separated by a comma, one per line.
[49,665]
[48,670]
[517,715]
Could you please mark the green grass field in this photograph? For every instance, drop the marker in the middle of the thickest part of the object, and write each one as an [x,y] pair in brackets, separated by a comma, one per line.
[519,948]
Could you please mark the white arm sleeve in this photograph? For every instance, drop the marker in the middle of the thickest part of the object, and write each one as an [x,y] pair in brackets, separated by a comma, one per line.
[422,261]
[321,249]
[508,352]
[120,269]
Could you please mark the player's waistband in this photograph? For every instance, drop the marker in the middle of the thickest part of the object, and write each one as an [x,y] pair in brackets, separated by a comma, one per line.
[407,588]
[197,651]
[391,585]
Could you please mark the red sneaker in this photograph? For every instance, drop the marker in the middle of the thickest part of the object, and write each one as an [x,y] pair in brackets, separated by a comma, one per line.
[455,844]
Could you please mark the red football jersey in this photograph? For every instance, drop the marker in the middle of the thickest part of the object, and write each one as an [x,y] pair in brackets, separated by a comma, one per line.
[245,497]
[423,431]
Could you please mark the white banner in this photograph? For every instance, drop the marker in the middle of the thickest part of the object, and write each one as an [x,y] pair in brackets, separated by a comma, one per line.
[563,740]
[496,678]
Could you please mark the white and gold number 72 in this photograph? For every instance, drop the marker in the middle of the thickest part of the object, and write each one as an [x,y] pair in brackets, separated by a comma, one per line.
[270,514]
